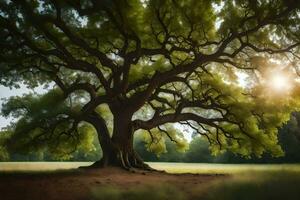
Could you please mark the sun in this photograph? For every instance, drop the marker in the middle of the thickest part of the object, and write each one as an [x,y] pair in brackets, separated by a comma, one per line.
[280,82]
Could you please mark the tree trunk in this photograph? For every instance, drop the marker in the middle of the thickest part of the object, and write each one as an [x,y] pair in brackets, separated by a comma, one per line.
[117,150]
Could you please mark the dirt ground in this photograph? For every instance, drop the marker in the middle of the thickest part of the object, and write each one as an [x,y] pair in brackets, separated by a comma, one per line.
[77,184]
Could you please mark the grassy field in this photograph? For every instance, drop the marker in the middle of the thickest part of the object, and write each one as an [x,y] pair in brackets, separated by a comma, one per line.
[201,168]
[270,186]
[207,168]
[274,185]
[247,182]
[241,182]
[40,166]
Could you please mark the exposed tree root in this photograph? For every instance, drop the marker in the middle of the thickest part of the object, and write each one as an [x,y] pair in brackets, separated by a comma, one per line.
[128,161]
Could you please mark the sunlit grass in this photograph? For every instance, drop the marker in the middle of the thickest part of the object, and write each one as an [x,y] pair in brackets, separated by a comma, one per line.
[203,168]
[40,166]
[200,168]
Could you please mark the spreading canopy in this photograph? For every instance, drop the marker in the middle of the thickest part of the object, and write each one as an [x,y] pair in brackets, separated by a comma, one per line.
[145,65]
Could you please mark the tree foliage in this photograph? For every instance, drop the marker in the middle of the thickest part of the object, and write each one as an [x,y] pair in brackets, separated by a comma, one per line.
[120,67]
[198,151]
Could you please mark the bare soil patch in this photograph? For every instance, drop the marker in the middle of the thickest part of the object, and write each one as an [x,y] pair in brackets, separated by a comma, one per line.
[77,184]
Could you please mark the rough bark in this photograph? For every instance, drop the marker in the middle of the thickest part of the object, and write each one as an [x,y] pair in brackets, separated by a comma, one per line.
[117,150]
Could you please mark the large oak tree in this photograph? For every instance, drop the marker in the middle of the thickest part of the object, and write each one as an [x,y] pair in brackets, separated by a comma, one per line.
[116,67]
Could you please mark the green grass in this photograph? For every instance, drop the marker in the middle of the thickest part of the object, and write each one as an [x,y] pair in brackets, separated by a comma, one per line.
[247,182]
[207,168]
[39,166]
[201,168]
[276,185]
